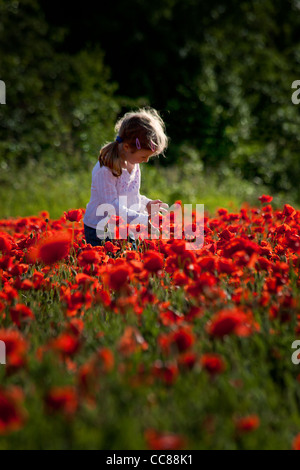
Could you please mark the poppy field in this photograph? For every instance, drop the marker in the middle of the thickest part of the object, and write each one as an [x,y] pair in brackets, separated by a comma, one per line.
[156,348]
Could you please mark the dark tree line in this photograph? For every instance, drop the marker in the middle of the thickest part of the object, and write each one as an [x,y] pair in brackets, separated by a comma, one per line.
[219,72]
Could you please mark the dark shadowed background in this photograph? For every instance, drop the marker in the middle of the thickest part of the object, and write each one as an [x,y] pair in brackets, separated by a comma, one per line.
[219,72]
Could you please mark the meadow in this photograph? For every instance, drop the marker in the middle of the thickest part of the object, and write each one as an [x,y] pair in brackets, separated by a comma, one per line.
[158,348]
[162,347]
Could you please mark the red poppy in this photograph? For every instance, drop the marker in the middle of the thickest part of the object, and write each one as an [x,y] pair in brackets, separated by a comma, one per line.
[187,360]
[227,321]
[288,211]
[153,261]
[265,198]
[163,440]
[118,276]
[73,215]
[183,338]
[296,442]
[212,363]
[89,256]
[247,423]
[106,357]
[66,344]
[5,245]
[12,416]
[62,399]
[21,313]
[16,348]
[52,248]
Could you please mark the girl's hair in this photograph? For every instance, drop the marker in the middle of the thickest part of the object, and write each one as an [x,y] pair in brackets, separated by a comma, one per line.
[142,129]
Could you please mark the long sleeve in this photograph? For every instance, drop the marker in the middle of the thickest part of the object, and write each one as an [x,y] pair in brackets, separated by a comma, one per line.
[144,200]
[106,185]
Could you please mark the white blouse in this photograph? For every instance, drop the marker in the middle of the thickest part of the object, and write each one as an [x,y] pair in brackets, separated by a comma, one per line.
[107,189]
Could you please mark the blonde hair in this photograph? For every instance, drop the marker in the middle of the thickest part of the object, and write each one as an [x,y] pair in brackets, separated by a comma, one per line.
[146,125]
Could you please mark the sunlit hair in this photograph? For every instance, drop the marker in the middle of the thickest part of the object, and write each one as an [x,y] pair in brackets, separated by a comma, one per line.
[147,126]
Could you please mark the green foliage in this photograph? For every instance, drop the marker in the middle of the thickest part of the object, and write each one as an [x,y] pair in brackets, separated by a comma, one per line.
[22,195]
[220,72]
[59,108]
[221,78]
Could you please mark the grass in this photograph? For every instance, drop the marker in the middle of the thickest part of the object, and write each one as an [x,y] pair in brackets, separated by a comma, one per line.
[38,187]
[123,403]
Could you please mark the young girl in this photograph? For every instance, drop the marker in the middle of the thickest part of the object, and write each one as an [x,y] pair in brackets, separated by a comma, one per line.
[141,135]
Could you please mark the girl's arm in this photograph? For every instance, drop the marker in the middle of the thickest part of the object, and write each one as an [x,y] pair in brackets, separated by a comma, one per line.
[107,192]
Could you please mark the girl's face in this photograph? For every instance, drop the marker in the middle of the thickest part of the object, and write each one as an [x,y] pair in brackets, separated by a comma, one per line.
[139,156]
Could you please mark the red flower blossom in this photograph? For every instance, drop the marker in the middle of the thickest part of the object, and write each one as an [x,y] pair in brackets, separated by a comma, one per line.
[264,198]
[66,344]
[163,440]
[87,257]
[118,276]
[5,245]
[16,348]
[187,360]
[73,215]
[52,248]
[296,442]
[62,399]
[21,313]
[12,416]
[183,338]
[288,211]
[153,261]
[229,321]
[247,423]
[212,363]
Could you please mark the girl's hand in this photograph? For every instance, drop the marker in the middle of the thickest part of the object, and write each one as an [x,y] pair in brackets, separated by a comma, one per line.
[158,206]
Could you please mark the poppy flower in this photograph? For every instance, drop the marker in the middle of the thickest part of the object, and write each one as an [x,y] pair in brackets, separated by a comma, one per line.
[21,313]
[12,416]
[16,348]
[163,440]
[265,198]
[288,211]
[106,358]
[247,423]
[5,245]
[212,363]
[187,360]
[51,248]
[118,276]
[62,399]
[153,261]
[66,344]
[296,442]
[74,215]
[88,257]
[183,338]
[227,321]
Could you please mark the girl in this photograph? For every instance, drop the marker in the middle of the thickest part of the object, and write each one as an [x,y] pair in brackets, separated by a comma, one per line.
[141,135]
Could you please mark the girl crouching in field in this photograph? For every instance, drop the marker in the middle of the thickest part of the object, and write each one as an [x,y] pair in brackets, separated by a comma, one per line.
[116,176]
